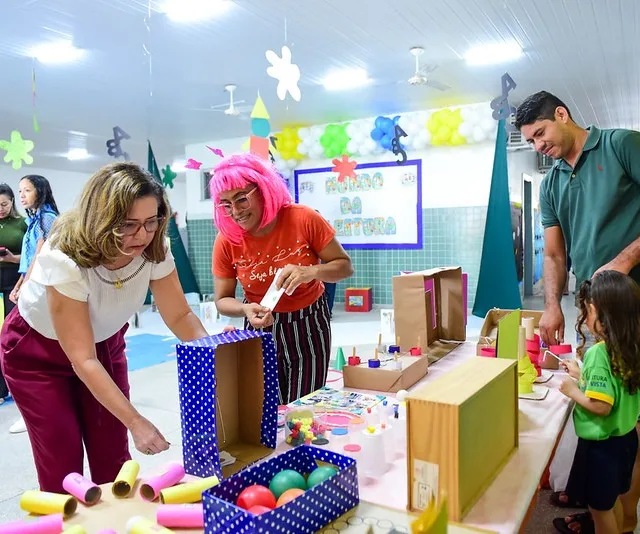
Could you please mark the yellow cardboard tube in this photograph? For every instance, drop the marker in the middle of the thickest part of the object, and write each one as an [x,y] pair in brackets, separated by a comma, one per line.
[44,503]
[187,493]
[75,530]
[126,479]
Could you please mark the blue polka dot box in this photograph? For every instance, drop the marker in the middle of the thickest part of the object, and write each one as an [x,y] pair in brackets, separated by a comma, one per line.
[228,385]
[308,513]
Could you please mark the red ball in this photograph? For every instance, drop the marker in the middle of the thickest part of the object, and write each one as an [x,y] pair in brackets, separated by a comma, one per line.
[256,495]
[257,509]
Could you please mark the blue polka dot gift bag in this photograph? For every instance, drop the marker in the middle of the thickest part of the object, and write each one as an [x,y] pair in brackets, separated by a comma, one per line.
[228,385]
[307,513]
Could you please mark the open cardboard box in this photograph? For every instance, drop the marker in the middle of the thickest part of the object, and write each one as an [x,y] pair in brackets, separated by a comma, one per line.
[228,400]
[428,305]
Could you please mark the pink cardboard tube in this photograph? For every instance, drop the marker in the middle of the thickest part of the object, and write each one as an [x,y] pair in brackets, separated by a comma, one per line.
[107,531]
[82,488]
[489,352]
[180,515]
[150,489]
[561,349]
[533,345]
[48,524]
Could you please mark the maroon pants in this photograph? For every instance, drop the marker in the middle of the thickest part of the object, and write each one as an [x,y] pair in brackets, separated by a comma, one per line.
[58,409]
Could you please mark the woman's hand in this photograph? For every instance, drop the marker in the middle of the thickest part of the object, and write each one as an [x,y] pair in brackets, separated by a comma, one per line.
[9,257]
[258,316]
[15,293]
[147,438]
[294,275]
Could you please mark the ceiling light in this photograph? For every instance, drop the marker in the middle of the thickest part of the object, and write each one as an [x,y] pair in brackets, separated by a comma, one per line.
[492,53]
[340,80]
[56,53]
[194,10]
[77,153]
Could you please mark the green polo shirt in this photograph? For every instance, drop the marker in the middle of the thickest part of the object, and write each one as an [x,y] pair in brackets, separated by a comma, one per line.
[597,204]
[598,382]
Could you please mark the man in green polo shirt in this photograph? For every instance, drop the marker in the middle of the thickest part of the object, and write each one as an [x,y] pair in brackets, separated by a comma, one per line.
[590,207]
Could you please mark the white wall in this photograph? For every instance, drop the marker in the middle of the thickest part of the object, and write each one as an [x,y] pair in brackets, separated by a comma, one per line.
[523,161]
[67,185]
[451,176]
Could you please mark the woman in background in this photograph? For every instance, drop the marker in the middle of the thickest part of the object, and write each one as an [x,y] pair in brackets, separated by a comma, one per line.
[37,199]
[261,232]
[12,230]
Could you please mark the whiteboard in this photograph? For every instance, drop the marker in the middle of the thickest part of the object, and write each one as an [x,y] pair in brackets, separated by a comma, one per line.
[380,208]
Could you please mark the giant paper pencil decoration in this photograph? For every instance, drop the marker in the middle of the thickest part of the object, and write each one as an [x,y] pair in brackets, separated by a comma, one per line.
[260,128]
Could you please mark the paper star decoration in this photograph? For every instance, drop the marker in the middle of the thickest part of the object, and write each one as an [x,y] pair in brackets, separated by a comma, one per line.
[287,73]
[193,165]
[344,168]
[17,150]
[168,176]
[216,151]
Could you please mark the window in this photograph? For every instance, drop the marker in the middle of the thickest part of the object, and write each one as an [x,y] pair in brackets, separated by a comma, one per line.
[206,193]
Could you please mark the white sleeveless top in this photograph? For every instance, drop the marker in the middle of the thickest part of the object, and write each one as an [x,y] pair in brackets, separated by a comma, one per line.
[109,307]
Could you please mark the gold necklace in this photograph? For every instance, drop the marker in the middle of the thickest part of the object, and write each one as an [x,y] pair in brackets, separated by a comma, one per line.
[119,282]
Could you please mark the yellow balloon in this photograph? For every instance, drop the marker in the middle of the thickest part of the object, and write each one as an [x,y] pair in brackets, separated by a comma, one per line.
[457,140]
[287,142]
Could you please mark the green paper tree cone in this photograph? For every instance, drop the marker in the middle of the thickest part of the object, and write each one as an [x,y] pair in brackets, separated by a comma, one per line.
[340,361]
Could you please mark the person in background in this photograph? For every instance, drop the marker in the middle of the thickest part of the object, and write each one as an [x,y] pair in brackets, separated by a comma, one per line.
[607,398]
[261,232]
[62,347]
[589,203]
[37,199]
[330,292]
[12,230]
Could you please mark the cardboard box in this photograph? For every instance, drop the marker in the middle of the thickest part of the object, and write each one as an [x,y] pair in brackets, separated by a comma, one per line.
[228,386]
[489,330]
[436,322]
[358,299]
[384,378]
[308,513]
[461,430]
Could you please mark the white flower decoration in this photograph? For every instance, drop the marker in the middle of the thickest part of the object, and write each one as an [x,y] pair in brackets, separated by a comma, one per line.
[287,73]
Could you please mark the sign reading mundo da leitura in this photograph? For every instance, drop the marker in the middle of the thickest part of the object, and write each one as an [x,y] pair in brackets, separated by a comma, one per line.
[381,207]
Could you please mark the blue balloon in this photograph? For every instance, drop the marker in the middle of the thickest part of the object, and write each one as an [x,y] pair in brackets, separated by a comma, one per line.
[380,122]
[387,125]
[396,119]
[385,142]
[376,134]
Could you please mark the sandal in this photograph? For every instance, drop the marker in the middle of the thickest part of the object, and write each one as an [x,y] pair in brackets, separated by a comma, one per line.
[583,520]
[556,500]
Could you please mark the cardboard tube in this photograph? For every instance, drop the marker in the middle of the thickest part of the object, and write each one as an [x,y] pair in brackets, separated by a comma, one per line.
[126,479]
[141,525]
[44,503]
[528,323]
[187,493]
[49,524]
[353,352]
[180,515]
[522,342]
[379,338]
[107,531]
[82,488]
[77,529]
[150,489]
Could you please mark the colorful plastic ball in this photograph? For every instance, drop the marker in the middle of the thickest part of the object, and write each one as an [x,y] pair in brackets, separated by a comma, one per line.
[320,474]
[256,495]
[257,509]
[288,496]
[286,480]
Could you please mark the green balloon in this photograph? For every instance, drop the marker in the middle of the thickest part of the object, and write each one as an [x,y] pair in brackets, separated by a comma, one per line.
[320,474]
[286,480]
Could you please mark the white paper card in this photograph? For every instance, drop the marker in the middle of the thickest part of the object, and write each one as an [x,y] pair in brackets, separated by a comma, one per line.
[273,294]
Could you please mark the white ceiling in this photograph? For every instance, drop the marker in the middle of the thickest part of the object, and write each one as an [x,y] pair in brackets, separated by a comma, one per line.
[597,74]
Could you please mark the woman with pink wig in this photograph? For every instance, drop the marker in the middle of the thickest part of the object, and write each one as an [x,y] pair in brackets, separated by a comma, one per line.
[261,233]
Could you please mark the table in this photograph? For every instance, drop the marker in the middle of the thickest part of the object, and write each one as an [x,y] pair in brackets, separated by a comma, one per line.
[502,508]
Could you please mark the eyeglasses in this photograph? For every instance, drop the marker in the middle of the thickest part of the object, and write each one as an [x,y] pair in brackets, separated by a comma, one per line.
[240,204]
[132,228]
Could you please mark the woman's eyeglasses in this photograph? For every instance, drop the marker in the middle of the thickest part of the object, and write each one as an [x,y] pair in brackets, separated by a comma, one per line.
[132,228]
[242,203]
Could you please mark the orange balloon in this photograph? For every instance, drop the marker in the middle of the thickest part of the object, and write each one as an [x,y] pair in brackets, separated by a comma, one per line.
[288,496]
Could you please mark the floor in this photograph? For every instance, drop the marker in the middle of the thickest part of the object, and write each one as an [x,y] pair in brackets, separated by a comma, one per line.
[151,354]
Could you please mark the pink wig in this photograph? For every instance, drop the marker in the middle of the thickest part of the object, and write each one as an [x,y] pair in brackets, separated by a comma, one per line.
[237,172]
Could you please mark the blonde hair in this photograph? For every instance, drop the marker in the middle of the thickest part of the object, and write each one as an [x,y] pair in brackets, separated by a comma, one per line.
[89,234]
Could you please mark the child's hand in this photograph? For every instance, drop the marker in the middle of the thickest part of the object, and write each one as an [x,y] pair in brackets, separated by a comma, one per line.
[569,387]
[229,329]
[571,367]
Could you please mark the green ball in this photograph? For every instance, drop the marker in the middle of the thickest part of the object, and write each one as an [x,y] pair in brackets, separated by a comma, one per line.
[286,480]
[320,474]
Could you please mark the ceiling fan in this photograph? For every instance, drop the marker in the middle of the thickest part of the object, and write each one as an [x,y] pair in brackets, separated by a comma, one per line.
[231,109]
[421,76]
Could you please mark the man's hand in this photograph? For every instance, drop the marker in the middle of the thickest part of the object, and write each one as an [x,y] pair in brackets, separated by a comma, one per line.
[552,325]
[614,265]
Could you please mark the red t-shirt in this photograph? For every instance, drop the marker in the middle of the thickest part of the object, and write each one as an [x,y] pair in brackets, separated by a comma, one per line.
[299,235]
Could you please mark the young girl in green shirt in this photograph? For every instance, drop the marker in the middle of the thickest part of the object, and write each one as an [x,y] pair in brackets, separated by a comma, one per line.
[607,396]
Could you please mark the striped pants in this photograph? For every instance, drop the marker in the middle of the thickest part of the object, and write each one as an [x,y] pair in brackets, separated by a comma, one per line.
[303,344]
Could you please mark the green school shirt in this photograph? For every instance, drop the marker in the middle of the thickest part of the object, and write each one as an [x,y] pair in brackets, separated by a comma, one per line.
[597,204]
[12,231]
[597,382]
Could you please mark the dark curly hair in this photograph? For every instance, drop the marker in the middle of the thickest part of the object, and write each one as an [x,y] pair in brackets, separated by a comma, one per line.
[616,298]
[539,106]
